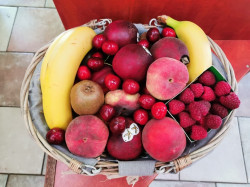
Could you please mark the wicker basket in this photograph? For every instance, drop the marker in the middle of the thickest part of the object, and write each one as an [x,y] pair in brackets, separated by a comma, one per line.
[111,168]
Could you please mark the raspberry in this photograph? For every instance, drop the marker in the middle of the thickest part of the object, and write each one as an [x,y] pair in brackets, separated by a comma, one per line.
[198,132]
[230,101]
[186,120]
[206,103]
[197,110]
[219,110]
[222,88]
[207,78]
[176,106]
[187,96]
[213,121]
[208,94]
[202,122]
[197,89]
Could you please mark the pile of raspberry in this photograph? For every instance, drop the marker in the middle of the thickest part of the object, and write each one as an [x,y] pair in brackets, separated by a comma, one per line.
[203,105]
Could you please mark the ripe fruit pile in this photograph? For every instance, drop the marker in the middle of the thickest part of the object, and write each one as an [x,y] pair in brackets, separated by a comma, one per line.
[118,86]
[203,105]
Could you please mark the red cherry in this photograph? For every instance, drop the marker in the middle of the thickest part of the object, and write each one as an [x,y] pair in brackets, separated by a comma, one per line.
[55,136]
[168,32]
[83,73]
[110,47]
[141,116]
[98,41]
[107,112]
[146,101]
[117,125]
[95,63]
[98,55]
[130,86]
[144,43]
[159,110]
[153,35]
[112,82]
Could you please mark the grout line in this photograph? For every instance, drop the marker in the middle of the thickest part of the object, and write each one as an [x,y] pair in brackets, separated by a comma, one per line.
[21,6]
[242,149]
[44,155]
[23,174]
[213,182]
[22,52]
[7,181]
[45,3]
[11,32]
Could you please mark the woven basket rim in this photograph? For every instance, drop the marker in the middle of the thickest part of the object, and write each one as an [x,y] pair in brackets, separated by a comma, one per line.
[111,168]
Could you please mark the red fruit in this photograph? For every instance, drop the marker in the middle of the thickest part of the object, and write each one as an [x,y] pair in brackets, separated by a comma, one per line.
[86,136]
[198,132]
[230,101]
[55,136]
[197,89]
[213,121]
[219,110]
[208,94]
[144,43]
[95,63]
[159,110]
[112,82]
[176,106]
[131,62]
[207,78]
[145,91]
[164,139]
[186,120]
[98,41]
[222,88]
[206,103]
[84,73]
[197,110]
[107,112]
[117,125]
[166,77]
[153,35]
[187,96]
[141,116]
[202,122]
[122,32]
[97,55]
[130,86]
[169,47]
[110,47]
[168,32]
[146,101]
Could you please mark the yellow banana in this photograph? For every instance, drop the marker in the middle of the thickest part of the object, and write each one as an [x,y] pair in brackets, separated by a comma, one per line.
[195,39]
[58,73]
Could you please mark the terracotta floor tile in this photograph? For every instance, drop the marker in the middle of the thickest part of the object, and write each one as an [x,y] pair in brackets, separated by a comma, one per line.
[33,28]
[25,181]
[12,69]
[18,151]
[33,3]
[7,15]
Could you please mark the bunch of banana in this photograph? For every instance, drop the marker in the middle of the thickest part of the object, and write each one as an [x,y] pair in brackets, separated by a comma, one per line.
[196,41]
[58,73]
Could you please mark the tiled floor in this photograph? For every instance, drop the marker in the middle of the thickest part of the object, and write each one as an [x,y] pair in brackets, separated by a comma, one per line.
[26,26]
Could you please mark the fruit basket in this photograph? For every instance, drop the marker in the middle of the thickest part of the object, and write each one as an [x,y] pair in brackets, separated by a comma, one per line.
[110,166]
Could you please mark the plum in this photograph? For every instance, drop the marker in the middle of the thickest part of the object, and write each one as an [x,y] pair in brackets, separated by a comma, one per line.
[132,62]
[86,136]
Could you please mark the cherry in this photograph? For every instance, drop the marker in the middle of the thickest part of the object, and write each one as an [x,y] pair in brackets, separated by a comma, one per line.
[98,55]
[83,73]
[144,43]
[110,47]
[112,82]
[98,41]
[168,32]
[117,125]
[153,35]
[146,101]
[55,136]
[130,86]
[95,63]
[141,116]
[159,110]
[107,112]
